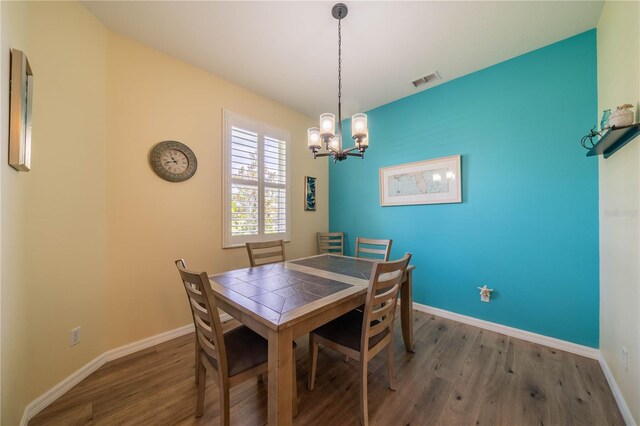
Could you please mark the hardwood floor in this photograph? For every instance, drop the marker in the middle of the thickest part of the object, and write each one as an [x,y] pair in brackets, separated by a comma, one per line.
[458,375]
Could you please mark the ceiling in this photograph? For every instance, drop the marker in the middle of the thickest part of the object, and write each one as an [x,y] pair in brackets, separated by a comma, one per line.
[287,51]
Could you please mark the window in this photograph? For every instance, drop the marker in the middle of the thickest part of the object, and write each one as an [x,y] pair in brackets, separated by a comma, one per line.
[256,182]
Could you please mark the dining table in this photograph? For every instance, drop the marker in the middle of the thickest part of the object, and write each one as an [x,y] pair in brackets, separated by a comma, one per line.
[286,300]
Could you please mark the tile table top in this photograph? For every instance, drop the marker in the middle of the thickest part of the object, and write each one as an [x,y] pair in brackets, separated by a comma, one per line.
[280,291]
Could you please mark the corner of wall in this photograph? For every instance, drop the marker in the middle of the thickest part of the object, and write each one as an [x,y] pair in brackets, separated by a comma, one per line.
[619,189]
[52,228]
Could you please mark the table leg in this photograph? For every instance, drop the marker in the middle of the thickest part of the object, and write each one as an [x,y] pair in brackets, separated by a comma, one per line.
[280,377]
[406,311]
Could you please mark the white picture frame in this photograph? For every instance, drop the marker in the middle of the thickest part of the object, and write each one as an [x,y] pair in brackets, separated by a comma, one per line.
[436,181]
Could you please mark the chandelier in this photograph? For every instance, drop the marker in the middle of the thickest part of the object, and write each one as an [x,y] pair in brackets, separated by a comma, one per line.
[326,134]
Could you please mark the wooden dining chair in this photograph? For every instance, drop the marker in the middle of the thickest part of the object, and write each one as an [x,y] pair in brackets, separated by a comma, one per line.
[361,335]
[227,325]
[265,253]
[375,247]
[331,242]
[232,357]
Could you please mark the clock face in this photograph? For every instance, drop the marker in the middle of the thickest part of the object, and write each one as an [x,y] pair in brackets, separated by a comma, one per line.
[173,161]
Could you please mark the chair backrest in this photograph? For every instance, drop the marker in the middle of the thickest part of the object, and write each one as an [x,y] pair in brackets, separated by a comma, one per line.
[265,253]
[331,242]
[205,315]
[376,247]
[382,298]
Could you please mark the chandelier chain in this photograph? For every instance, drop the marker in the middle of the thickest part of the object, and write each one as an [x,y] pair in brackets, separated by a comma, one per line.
[340,84]
[339,59]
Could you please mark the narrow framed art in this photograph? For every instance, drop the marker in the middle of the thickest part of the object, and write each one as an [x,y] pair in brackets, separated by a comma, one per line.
[309,193]
[436,181]
[20,105]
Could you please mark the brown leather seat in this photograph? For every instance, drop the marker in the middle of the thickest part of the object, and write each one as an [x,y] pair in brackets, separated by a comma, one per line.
[347,331]
[245,349]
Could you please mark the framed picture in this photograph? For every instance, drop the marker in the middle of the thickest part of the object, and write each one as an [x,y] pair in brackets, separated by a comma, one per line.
[309,193]
[435,181]
[20,112]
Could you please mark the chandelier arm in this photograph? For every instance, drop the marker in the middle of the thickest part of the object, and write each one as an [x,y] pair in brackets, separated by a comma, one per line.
[324,154]
[352,154]
[350,149]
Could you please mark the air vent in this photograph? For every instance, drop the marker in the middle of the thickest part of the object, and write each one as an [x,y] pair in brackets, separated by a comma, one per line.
[426,79]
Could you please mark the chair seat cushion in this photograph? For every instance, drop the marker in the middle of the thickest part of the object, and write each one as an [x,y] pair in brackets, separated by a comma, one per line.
[246,349]
[347,331]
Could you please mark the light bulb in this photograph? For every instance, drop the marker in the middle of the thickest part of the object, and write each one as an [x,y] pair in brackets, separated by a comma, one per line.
[334,143]
[313,138]
[327,126]
[359,126]
[437,177]
[451,175]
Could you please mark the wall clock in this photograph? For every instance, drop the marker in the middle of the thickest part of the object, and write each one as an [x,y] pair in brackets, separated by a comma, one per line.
[173,161]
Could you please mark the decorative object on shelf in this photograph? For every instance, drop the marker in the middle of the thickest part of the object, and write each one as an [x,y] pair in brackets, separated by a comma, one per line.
[310,193]
[326,134]
[622,116]
[20,104]
[173,161]
[435,181]
[604,123]
[614,139]
[587,140]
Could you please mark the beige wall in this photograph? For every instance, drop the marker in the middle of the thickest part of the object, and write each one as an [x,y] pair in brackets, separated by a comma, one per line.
[90,234]
[13,294]
[619,83]
[151,222]
[54,217]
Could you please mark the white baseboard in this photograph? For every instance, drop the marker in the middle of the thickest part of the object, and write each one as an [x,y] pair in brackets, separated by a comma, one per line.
[44,400]
[617,394]
[146,343]
[543,340]
[562,345]
[58,390]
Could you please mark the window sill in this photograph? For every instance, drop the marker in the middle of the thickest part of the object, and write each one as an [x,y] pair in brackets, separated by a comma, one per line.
[235,246]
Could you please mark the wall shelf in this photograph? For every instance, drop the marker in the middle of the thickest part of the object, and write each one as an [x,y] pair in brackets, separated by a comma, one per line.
[614,139]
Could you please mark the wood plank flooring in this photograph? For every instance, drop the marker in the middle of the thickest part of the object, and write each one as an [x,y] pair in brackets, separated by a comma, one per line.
[458,375]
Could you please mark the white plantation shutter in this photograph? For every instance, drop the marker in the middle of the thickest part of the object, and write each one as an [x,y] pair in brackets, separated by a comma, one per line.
[244,182]
[275,191]
[256,192]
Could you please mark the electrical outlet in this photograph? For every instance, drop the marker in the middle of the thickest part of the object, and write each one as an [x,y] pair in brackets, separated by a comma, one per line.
[485,293]
[74,336]
[625,358]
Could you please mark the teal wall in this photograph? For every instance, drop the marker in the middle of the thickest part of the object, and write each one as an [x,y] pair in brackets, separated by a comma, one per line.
[528,224]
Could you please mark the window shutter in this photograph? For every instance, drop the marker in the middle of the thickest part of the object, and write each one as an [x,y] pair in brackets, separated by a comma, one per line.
[244,182]
[275,193]
[256,198]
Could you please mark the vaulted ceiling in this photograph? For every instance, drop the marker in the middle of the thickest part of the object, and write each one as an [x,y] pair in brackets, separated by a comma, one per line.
[287,51]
